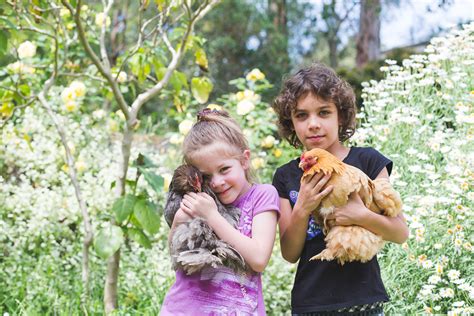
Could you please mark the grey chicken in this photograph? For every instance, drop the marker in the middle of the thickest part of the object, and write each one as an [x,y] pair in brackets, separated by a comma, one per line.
[194,245]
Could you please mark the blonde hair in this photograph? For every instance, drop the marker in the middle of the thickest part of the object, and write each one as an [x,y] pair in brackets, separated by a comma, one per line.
[217,128]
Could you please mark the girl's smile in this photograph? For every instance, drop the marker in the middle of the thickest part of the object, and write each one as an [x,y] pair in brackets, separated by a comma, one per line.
[226,175]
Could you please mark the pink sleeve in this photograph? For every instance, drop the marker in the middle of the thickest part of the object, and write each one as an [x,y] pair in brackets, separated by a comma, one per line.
[266,199]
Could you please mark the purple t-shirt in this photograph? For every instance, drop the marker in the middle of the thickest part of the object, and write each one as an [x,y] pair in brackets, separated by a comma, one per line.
[221,291]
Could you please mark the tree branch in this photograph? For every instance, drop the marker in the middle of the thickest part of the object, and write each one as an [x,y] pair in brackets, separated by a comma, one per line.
[153,91]
[105,72]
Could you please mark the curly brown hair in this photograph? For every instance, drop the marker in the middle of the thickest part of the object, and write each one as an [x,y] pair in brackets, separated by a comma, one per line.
[324,83]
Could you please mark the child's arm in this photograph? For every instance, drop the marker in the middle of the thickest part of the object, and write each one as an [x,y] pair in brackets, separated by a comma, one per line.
[294,223]
[355,213]
[256,250]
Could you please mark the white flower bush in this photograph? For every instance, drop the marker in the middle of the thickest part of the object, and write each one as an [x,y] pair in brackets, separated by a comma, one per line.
[421,117]
[40,220]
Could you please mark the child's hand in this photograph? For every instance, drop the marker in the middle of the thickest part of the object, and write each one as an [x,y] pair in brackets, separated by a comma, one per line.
[199,205]
[312,192]
[352,213]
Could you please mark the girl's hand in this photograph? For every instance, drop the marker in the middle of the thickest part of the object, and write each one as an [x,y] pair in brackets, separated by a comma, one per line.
[198,205]
[353,213]
[312,192]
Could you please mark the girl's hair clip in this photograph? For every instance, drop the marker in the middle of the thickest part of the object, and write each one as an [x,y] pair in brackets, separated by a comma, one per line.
[202,114]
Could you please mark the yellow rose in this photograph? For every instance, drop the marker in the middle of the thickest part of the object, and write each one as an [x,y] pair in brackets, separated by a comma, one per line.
[239,96]
[26,49]
[99,20]
[251,96]
[120,115]
[122,77]
[112,126]
[79,88]
[68,95]
[213,106]
[65,168]
[258,163]
[244,107]
[80,166]
[255,75]
[20,68]
[277,153]
[268,142]
[70,106]
[185,126]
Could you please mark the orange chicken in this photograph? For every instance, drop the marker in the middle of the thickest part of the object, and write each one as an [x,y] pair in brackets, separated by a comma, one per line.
[349,243]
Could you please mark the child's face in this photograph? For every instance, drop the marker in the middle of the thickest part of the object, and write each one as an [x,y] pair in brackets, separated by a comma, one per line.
[316,123]
[226,175]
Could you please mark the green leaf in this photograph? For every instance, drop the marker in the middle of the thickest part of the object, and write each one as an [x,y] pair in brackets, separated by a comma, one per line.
[147,216]
[153,179]
[139,237]
[143,162]
[25,89]
[160,73]
[176,82]
[3,42]
[145,70]
[201,88]
[123,207]
[108,240]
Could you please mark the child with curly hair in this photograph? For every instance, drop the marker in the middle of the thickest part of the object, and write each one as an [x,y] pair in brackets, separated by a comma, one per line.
[316,109]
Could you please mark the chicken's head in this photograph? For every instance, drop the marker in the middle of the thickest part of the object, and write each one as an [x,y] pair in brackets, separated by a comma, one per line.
[186,179]
[319,160]
[307,161]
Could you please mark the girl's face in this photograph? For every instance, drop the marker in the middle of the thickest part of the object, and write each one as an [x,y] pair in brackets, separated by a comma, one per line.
[226,175]
[316,123]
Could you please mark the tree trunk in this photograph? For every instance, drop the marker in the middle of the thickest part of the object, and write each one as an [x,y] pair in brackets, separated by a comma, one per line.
[277,11]
[368,39]
[333,58]
[111,283]
[278,14]
[113,263]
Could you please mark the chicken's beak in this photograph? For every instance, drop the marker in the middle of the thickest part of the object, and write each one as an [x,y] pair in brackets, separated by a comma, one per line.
[302,163]
[307,163]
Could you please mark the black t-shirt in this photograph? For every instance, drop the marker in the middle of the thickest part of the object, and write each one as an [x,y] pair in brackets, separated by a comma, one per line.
[326,285]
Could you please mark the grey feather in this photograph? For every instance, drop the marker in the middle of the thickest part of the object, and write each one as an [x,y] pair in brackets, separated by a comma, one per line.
[194,245]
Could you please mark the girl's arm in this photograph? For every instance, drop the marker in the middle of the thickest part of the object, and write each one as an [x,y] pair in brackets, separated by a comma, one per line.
[294,223]
[354,212]
[255,250]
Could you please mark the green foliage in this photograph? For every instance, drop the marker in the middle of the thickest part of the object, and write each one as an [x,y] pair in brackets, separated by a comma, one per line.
[108,240]
[228,44]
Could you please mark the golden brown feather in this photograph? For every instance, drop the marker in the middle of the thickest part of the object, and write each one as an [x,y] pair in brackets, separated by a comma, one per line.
[348,243]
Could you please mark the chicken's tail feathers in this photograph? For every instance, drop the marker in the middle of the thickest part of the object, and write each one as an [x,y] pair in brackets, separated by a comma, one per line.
[386,198]
[234,260]
[195,260]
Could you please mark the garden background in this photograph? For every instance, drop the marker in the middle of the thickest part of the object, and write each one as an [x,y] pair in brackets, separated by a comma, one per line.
[95,99]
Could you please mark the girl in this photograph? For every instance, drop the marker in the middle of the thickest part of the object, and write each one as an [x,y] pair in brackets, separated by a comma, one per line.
[218,148]
[316,109]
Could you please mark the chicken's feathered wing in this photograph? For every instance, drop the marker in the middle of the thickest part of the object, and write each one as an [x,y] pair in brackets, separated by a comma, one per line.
[194,245]
[349,243]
